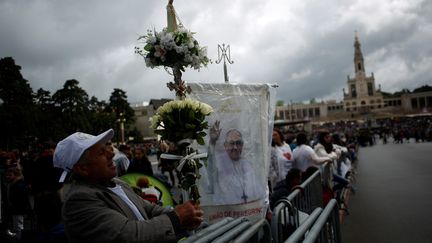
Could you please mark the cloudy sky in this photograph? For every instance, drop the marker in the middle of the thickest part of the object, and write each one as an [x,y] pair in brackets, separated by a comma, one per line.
[304,46]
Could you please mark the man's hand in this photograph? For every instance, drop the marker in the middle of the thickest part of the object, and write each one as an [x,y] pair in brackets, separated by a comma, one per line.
[215,132]
[190,215]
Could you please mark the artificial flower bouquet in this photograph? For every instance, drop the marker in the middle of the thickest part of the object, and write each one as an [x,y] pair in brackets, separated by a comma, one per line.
[175,49]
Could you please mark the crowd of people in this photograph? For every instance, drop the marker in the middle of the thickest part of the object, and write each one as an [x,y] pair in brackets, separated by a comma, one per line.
[32,195]
[81,179]
[322,151]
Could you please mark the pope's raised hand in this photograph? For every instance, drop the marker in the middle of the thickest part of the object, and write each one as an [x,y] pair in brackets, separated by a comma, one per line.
[215,132]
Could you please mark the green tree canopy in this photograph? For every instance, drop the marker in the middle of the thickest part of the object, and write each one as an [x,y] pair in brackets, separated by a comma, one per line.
[72,105]
[16,108]
[280,103]
[119,105]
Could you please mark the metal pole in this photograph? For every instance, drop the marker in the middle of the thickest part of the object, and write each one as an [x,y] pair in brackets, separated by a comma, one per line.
[224,53]
[121,120]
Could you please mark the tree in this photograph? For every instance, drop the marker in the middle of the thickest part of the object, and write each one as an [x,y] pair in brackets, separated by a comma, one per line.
[280,103]
[119,105]
[71,104]
[16,108]
[101,118]
[47,123]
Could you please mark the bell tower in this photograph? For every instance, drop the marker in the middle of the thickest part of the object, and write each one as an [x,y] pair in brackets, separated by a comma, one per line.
[358,57]
[362,96]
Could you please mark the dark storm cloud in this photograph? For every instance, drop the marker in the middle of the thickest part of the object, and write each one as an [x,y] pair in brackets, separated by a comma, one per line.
[306,47]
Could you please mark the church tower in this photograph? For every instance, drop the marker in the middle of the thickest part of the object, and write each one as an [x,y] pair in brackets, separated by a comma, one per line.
[362,96]
[358,57]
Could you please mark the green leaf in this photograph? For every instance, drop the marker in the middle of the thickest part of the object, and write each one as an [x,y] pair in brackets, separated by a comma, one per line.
[200,141]
[148,47]
[202,134]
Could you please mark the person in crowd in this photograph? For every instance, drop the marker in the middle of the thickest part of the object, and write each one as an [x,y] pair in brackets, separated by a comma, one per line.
[50,228]
[344,161]
[18,205]
[232,178]
[121,159]
[140,163]
[305,156]
[98,207]
[332,180]
[44,175]
[147,192]
[281,158]
[286,186]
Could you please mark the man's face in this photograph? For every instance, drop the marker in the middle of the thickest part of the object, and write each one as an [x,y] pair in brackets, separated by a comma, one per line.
[234,145]
[99,166]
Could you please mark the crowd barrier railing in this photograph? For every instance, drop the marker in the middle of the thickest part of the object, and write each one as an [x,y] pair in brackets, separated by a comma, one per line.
[284,219]
[259,232]
[215,230]
[300,232]
[309,196]
[327,170]
[306,198]
[326,228]
[320,225]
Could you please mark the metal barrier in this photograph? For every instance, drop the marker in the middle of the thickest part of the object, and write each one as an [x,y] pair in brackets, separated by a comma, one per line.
[238,230]
[232,233]
[284,220]
[327,173]
[304,227]
[254,233]
[321,225]
[310,196]
[207,230]
[285,217]
[215,230]
[326,228]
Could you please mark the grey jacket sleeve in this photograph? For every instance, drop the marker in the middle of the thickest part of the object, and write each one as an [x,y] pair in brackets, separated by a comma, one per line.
[99,216]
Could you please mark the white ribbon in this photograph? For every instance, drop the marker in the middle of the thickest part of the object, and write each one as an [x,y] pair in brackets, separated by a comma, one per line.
[182,159]
[193,155]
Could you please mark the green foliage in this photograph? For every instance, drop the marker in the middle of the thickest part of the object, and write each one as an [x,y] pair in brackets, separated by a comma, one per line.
[17,107]
[28,117]
[280,103]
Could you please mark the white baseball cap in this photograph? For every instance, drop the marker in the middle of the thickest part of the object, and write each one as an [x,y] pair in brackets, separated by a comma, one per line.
[69,150]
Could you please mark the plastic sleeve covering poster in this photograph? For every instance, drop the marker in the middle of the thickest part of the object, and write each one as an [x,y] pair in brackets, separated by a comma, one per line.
[233,182]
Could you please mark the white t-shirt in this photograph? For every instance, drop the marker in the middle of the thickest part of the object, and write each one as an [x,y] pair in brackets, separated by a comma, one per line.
[305,156]
[282,161]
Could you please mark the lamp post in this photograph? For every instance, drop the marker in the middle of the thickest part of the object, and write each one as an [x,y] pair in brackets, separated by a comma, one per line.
[121,120]
[224,53]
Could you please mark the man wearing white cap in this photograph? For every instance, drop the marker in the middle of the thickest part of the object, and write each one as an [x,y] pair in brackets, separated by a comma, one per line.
[101,208]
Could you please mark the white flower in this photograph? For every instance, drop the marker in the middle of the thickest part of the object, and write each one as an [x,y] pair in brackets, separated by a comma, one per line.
[151,39]
[160,51]
[155,121]
[148,62]
[191,45]
[160,45]
[188,58]
[206,109]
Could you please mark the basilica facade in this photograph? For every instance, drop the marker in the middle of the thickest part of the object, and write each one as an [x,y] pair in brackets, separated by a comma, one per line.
[361,100]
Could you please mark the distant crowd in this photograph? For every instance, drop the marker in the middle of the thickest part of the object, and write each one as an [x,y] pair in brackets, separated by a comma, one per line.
[30,187]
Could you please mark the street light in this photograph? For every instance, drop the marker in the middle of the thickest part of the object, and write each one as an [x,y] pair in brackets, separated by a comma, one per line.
[121,120]
[225,54]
